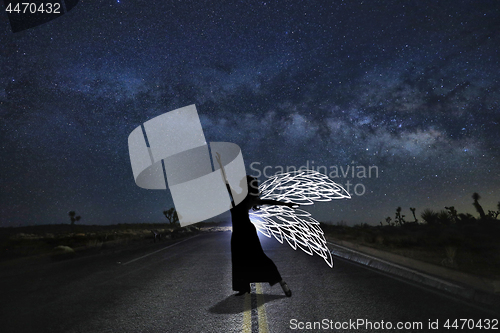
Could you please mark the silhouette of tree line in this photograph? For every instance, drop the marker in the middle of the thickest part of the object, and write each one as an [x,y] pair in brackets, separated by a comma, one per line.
[448,216]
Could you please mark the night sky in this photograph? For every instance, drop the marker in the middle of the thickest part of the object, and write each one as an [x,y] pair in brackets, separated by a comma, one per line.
[411,88]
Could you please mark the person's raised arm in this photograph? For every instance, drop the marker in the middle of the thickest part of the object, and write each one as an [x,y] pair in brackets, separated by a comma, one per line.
[224,179]
[277,203]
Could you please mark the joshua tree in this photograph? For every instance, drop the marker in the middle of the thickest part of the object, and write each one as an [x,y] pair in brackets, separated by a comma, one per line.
[494,214]
[171,216]
[388,220]
[497,212]
[73,217]
[413,212]
[478,207]
[453,213]
[399,218]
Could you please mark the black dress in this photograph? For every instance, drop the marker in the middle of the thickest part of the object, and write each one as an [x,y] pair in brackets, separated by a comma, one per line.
[249,262]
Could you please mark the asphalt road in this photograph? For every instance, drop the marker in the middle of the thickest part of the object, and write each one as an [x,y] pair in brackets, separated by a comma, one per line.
[186,287]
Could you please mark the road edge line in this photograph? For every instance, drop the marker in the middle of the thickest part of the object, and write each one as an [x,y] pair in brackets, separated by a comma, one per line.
[466,292]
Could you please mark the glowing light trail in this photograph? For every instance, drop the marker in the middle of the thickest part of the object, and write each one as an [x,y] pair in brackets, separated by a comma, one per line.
[296,226]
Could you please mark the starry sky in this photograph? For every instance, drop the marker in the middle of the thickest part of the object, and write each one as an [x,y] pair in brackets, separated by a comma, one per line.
[409,87]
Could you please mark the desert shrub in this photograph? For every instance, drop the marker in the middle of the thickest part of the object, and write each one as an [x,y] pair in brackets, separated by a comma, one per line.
[450,261]
[444,217]
[465,219]
[380,240]
[62,252]
[369,238]
[94,243]
[429,216]
[404,241]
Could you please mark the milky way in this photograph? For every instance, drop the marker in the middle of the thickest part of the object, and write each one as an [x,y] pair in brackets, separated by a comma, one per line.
[411,89]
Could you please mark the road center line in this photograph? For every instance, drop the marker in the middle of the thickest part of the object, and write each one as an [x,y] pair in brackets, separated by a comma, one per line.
[254,311]
[261,307]
[149,254]
[247,314]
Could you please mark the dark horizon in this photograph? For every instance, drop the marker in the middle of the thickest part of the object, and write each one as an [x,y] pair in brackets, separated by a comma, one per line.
[409,88]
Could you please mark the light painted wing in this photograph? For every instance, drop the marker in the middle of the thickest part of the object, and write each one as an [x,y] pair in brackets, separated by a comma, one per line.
[302,187]
[296,226]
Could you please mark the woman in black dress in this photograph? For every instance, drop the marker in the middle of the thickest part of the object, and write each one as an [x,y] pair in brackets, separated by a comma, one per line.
[249,262]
